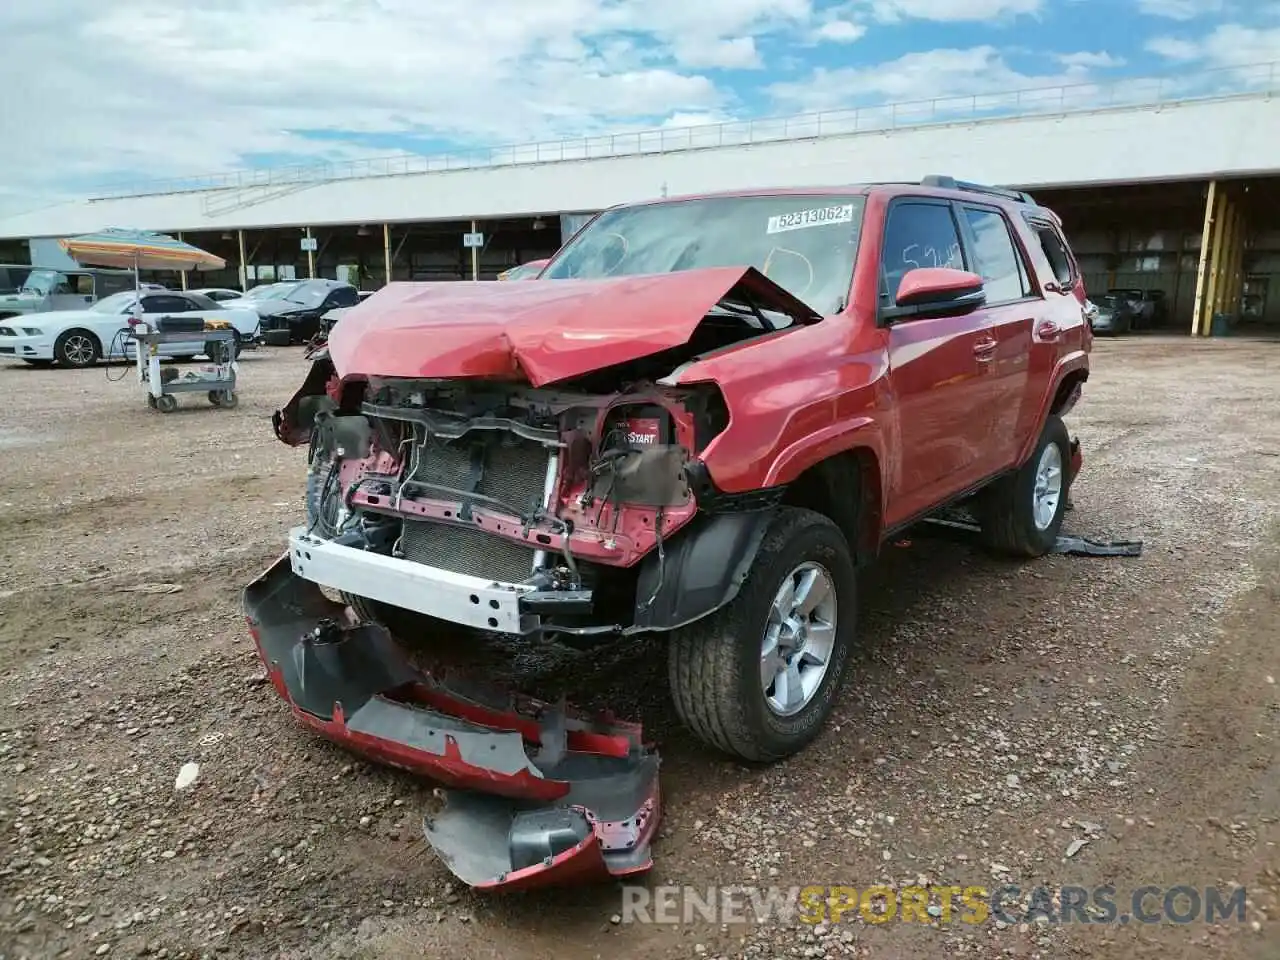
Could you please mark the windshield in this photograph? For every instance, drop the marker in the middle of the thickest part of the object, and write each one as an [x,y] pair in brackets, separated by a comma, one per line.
[805,244]
[522,272]
[307,293]
[268,291]
[116,303]
[42,282]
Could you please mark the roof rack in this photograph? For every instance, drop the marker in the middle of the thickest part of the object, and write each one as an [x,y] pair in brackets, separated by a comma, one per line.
[951,183]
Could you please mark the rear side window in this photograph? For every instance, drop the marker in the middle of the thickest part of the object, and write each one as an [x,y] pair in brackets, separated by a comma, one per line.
[1055,251]
[1003,273]
[918,234]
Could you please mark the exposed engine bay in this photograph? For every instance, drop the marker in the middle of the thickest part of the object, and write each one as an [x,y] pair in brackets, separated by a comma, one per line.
[551,495]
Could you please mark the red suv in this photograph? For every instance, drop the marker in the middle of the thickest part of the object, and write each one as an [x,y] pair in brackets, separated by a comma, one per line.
[725,406]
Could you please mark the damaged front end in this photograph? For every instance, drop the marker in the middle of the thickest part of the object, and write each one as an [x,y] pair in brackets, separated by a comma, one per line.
[536,794]
[449,507]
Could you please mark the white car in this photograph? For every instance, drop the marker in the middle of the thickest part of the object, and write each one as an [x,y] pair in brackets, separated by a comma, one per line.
[80,338]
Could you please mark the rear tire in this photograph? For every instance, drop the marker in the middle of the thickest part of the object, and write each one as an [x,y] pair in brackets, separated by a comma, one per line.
[1021,513]
[717,666]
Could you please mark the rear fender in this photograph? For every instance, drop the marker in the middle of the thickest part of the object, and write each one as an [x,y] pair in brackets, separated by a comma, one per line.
[1070,367]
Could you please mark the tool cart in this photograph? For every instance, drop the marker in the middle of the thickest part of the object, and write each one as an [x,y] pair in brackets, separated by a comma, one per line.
[216,380]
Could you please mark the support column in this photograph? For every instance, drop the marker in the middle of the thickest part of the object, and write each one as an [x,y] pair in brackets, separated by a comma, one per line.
[311,257]
[244,267]
[1218,236]
[182,274]
[1235,269]
[386,251]
[1222,276]
[1207,246]
[475,257]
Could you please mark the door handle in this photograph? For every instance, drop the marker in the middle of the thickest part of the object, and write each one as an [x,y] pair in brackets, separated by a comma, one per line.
[985,349]
[1048,330]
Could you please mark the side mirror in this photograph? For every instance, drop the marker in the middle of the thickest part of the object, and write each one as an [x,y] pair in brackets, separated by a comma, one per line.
[936,291]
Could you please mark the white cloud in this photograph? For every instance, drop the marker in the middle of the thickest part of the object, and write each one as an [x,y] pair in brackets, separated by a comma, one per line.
[149,88]
[925,77]
[736,53]
[839,31]
[1230,45]
[1090,61]
[1180,9]
[953,10]
[1173,49]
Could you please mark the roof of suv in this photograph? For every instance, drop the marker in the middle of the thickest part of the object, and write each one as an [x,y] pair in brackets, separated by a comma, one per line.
[933,185]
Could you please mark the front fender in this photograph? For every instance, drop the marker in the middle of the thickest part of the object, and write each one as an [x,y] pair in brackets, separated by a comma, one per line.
[292,423]
[699,570]
[823,444]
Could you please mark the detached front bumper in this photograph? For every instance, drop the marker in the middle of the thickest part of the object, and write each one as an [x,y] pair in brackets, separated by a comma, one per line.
[537,794]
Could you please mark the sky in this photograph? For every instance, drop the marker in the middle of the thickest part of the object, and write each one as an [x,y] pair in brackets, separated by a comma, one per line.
[100,94]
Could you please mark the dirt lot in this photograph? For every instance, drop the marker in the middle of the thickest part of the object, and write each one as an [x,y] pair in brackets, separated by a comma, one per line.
[999,712]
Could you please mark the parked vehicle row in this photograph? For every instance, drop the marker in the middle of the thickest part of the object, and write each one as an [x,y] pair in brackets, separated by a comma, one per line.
[291,311]
[80,338]
[1124,309]
[43,290]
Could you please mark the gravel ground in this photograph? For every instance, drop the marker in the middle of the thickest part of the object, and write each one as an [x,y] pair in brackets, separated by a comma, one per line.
[998,716]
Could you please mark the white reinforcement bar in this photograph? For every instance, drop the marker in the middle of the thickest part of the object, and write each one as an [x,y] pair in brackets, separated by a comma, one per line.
[453,597]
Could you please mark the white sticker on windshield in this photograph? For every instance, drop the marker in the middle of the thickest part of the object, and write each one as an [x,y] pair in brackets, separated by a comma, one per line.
[816,217]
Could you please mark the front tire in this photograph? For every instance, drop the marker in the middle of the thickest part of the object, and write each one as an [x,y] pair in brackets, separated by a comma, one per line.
[1021,513]
[758,678]
[76,348]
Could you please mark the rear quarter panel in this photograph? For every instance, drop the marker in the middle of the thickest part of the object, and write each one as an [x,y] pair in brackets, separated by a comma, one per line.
[1051,361]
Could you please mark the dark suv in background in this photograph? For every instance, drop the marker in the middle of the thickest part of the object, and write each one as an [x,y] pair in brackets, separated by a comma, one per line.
[294,315]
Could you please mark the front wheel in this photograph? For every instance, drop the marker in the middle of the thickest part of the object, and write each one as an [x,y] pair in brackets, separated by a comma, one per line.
[758,678]
[76,348]
[1021,513]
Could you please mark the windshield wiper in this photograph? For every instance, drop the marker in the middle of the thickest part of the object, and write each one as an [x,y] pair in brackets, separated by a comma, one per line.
[749,309]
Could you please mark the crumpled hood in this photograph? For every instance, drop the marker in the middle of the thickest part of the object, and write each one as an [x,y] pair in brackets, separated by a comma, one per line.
[544,331]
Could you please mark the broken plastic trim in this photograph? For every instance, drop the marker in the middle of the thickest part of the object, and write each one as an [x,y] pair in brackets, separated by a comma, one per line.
[539,795]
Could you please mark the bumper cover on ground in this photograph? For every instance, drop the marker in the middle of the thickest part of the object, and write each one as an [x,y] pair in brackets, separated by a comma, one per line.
[536,794]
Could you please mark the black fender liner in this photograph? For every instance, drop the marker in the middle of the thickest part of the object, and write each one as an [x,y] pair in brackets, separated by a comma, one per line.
[699,570]
[292,423]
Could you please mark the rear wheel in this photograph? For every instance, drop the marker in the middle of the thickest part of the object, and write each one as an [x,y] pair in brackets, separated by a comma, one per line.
[1021,513]
[758,678]
[76,348]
